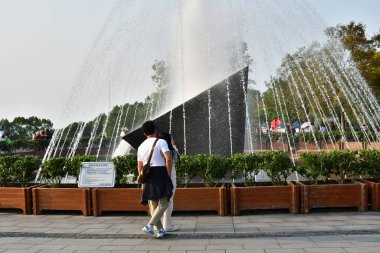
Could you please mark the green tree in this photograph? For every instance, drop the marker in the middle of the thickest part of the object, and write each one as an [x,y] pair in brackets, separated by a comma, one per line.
[364,50]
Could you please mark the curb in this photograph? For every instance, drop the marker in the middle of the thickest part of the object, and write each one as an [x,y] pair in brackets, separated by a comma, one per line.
[190,235]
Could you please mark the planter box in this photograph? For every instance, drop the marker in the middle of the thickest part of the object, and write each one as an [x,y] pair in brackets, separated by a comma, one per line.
[373,194]
[264,197]
[200,198]
[17,198]
[117,199]
[70,198]
[331,195]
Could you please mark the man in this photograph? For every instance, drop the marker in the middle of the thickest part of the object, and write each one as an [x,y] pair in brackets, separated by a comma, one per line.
[158,188]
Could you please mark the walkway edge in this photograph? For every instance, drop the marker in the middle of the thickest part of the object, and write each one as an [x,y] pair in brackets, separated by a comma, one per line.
[190,235]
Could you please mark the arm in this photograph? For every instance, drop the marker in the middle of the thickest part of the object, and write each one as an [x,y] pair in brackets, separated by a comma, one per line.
[169,162]
[139,167]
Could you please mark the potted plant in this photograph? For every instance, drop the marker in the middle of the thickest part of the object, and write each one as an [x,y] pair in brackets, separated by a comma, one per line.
[126,196]
[331,182]
[369,164]
[15,172]
[278,194]
[57,196]
[211,169]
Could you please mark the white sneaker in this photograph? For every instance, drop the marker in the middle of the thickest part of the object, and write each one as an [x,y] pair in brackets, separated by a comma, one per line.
[161,233]
[172,228]
[149,231]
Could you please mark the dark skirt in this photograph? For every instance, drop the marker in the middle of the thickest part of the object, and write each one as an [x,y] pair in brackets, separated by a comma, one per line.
[158,185]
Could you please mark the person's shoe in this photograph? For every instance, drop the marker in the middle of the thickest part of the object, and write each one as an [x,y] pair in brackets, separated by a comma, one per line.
[172,228]
[161,233]
[149,231]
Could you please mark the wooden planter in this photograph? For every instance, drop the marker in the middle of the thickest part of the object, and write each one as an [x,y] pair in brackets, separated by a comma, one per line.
[200,198]
[373,194]
[117,199]
[70,199]
[333,195]
[264,196]
[17,198]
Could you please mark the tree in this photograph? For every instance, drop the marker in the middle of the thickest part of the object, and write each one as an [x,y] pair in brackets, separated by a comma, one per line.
[364,51]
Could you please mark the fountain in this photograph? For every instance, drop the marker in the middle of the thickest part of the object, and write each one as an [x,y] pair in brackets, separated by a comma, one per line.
[296,74]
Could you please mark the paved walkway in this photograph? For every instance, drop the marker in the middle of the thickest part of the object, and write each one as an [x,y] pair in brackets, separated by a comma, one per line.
[269,233]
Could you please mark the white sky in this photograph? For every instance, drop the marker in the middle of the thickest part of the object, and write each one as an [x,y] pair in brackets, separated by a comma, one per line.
[43,44]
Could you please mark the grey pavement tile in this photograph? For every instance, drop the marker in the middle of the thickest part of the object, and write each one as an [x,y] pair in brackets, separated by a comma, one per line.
[8,223]
[245,251]
[67,241]
[208,251]
[63,225]
[318,228]
[354,227]
[254,224]
[363,250]
[32,240]
[130,231]
[284,250]
[298,245]
[293,239]
[49,246]
[187,247]
[279,229]
[100,231]
[92,251]
[268,240]
[20,251]
[347,244]
[126,242]
[82,247]
[260,245]
[116,247]
[324,250]
[130,251]
[31,229]
[8,229]
[164,251]
[363,222]
[267,220]
[159,242]
[65,230]
[96,225]
[56,251]
[327,223]
[215,230]
[10,239]
[328,238]
[207,225]
[192,242]
[303,218]
[363,238]
[224,246]
[366,244]
[290,224]
[32,224]
[125,226]
[223,240]
[247,230]
[334,218]
[151,247]
[16,246]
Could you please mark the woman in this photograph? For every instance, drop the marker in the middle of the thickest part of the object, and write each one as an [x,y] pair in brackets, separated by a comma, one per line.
[166,219]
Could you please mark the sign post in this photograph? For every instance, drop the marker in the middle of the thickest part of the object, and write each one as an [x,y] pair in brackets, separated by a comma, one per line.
[96,175]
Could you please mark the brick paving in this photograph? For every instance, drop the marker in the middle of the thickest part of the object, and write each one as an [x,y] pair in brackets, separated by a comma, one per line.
[270,233]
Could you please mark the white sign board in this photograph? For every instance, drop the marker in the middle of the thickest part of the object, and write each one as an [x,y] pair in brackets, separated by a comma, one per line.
[96,174]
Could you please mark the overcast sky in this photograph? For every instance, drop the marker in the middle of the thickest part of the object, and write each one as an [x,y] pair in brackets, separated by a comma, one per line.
[43,44]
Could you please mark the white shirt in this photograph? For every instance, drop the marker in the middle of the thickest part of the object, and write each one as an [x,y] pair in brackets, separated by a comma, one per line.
[158,158]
